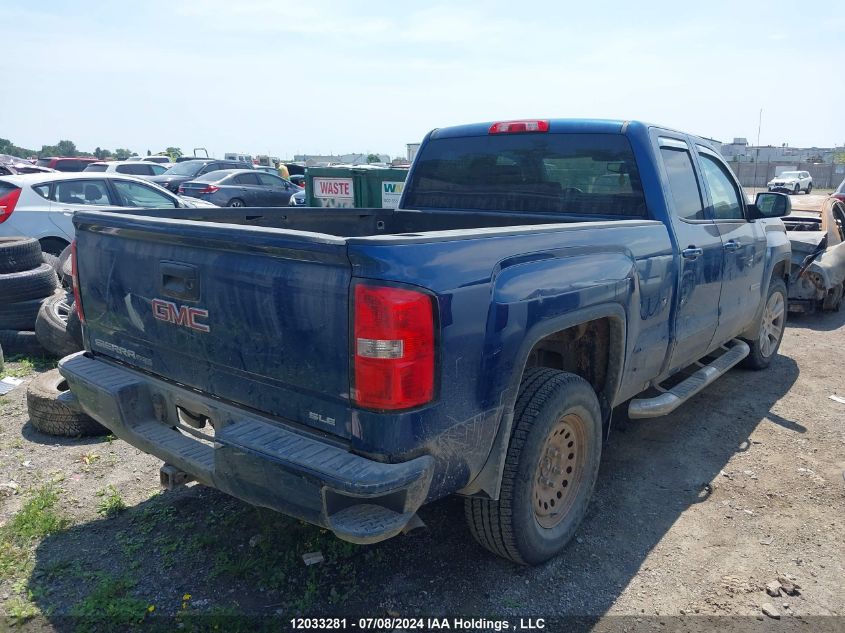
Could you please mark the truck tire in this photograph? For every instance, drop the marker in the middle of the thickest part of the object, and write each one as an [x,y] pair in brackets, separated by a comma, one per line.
[52,324]
[74,328]
[20,343]
[18,254]
[54,410]
[765,346]
[37,283]
[549,473]
[19,315]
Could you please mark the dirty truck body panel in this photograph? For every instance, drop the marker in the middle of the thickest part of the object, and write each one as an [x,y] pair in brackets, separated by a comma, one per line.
[245,322]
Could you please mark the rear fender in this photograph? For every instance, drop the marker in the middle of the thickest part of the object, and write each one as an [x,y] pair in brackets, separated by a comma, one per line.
[488,482]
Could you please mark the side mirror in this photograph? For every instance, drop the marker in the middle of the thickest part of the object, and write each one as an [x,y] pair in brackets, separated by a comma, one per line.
[769,205]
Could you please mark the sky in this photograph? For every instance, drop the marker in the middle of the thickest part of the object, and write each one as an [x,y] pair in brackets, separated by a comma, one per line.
[320,76]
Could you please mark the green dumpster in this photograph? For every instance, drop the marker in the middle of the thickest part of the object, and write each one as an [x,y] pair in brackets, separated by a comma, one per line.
[361,187]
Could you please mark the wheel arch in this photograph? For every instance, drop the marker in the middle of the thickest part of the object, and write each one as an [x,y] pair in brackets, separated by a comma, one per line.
[612,352]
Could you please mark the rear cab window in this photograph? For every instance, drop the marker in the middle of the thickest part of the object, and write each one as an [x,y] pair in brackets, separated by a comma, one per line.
[559,173]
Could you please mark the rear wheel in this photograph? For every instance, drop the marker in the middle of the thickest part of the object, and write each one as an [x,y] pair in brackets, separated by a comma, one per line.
[833,301]
[773,323]
[550,470]
[236,202]
[809,188]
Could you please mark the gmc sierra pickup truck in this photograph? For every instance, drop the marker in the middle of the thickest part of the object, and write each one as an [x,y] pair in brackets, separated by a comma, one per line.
[346,366]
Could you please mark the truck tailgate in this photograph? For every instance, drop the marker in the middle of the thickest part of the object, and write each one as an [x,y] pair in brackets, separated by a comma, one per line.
[256,316]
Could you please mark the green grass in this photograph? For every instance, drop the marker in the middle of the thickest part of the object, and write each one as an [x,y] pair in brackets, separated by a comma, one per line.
[111,503]
[37,519]
[27,365]
[111,604]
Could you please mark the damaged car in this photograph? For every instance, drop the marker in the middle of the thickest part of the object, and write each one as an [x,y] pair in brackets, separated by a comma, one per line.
[817,277]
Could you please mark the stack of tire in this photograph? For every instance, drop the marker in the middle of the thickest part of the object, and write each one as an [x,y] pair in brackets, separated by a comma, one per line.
[37,317]
[26,279]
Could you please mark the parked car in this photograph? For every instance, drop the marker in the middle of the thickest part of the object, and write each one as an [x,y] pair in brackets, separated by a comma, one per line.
[346,368]
[817,275]
[61,163]
[240,188]
[161,160]
[42,206]
[191,169]
[839,194]
[792,182]
[8,169]
[298,199]
[140,168]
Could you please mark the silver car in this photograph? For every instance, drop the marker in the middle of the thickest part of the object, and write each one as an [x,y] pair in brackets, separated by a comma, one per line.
[42,205]
[142,169]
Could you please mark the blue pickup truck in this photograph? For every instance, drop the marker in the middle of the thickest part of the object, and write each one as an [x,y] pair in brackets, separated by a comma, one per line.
[346,366]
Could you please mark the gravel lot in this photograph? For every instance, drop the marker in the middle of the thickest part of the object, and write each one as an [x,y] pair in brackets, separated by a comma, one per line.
[693,515]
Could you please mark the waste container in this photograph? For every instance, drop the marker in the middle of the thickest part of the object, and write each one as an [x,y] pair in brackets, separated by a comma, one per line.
[361,187]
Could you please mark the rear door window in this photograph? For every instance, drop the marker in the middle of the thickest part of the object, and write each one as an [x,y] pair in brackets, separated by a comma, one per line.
[683,184]
[89,192]
[136,169]
[247,179]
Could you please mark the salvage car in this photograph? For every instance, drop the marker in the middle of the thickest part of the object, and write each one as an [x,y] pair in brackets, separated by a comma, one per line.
[240,188]
[346,368]
[792,182]
[817,275]
[42,205]
[140,168]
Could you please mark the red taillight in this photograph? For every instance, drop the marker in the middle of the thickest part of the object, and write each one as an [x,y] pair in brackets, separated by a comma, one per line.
[393,355]
[7,204]
[838,196]
[74,273]
[514,127]
[210,189]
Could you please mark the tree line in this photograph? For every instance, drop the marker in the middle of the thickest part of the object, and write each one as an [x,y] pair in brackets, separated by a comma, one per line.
[68,148]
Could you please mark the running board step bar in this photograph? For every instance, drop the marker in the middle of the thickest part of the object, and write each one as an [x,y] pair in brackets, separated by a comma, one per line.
[670,400]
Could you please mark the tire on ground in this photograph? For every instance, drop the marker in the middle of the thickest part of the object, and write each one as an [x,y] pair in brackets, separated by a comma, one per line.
[64,269]
[21,343]
[18,254]
[37,283]
[758,358]
[51,325]
[511,527]
[54,410]
[19,315]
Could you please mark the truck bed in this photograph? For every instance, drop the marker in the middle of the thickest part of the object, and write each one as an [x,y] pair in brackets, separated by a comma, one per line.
[354,223]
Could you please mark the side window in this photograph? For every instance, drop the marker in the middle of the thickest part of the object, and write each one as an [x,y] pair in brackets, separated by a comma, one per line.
[247,179]
[270,181]
[727,204]
[136,169]
[93,192]
[68,165]
[134,194]
[685,192]
[157,170]
[43,191]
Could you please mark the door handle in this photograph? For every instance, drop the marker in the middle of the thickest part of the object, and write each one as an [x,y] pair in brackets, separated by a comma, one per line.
[692,252]
[732,245]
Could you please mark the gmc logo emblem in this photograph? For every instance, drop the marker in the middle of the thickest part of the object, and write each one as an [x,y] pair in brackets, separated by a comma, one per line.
[185,316]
